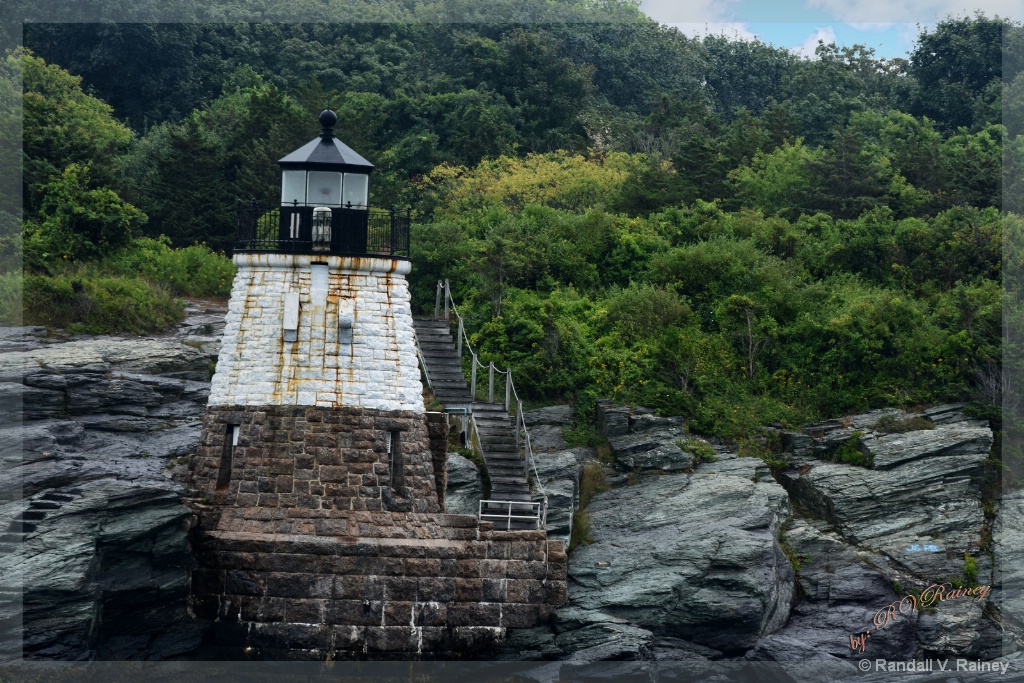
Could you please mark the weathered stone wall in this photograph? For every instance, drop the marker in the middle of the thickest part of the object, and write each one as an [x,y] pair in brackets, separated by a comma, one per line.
[437,426]
[371,584]
[310,549]
[370,364]
[311,458]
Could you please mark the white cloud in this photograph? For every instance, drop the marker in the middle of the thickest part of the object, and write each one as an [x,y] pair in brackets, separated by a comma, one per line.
[925,11]
[870,26]
[730,29]
[674,12]
[806,49]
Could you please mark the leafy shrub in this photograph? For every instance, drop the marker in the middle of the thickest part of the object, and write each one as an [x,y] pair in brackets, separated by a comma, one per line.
[701,450]
[766,445]
[890,424]
[10,299]
[970,570]
[852,453]
[586,435]
[189,271]
[99,305]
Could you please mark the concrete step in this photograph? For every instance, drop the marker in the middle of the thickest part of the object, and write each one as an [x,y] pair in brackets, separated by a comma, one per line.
[506,480]
[503,451]
[428,324]
[439,383]
[497,433]
[515,497]
[485,408]
[495,425]
[460,396]
[499,470]
[515,487]
[505,460]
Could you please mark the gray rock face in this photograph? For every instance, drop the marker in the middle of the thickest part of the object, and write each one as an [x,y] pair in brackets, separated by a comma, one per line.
[689,556]
[102,354]
[643,441]
[547,427]
[94,548]
[913,518]
[559,475]
[841,594]
[667,457]
[1008,550]
[923,492]
[465,486]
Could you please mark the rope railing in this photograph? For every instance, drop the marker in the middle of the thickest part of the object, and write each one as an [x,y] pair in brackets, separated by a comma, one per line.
[444,304]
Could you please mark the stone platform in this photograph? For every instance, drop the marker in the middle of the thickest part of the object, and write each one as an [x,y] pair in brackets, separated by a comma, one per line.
[315,549]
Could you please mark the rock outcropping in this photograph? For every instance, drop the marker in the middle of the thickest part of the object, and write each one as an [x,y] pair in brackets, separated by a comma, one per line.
[714,561]
[692,560]
[94,551]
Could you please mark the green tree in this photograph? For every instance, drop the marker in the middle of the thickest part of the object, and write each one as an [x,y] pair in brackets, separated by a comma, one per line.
[955,63]
[78,221]
[63,125]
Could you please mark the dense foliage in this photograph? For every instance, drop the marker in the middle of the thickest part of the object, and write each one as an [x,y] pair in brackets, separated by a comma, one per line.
[712,227]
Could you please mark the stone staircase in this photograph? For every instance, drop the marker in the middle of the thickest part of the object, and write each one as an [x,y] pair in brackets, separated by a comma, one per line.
[442,364]
[495,428]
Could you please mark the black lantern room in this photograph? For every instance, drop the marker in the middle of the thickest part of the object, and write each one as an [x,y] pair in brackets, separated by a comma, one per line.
[325,172]
[325,196]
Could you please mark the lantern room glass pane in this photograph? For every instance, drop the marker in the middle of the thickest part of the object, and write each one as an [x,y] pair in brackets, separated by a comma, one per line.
[293,187]
[357,187]
[323,189]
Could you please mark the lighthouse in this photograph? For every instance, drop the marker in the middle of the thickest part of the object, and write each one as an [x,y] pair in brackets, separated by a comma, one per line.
[318,485]
[319,312]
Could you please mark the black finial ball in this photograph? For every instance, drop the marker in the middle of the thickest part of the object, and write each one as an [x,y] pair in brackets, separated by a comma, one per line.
[328,118]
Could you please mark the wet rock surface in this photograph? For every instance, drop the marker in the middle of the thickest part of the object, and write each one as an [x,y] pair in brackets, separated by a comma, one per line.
[687,564]
[689,556]
[692,568]
[94,551]
[465,486]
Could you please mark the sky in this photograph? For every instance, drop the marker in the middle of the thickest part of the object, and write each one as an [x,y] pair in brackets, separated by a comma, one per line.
[888,26]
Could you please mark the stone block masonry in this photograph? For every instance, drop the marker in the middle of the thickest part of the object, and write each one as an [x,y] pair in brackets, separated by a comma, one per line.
[320,534]
[353,345]
[318,459]
[397,586]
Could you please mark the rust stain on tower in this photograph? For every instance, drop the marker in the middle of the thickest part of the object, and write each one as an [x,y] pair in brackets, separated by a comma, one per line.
[318,486]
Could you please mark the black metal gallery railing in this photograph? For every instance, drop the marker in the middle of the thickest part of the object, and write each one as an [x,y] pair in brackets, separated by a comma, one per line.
[345,231]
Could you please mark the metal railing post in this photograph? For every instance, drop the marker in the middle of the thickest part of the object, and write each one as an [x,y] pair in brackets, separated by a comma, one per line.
[408,231]
[472,381]
[447,298]
[437,301]
[508,389]
[490,383]
[519,419]
[393,246]
[458,342]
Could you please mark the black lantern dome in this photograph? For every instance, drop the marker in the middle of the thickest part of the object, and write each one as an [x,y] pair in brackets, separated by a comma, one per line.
[325,172]
[325,197]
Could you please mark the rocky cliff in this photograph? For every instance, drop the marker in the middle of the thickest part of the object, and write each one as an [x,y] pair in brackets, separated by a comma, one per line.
[693,555]
[694,558]
[94,551]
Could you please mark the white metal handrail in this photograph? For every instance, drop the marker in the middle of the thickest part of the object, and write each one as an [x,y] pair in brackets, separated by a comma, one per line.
[443,297]
[514,510]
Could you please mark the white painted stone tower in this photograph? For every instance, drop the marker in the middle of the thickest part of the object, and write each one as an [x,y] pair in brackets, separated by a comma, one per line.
[319,312]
